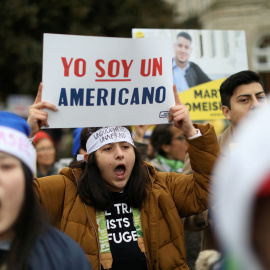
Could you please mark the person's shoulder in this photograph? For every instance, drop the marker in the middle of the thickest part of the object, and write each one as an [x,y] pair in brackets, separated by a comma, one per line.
[224,137]
[150,167]
[55,250]
[153,162]
[153,170]
[193,65]
[65,175]
[67,171]
[60,240]
[156,165]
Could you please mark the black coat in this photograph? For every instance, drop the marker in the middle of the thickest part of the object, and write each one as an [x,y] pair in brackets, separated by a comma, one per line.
[195,76]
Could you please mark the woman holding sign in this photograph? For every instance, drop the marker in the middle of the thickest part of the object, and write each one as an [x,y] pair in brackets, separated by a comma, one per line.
[123,213]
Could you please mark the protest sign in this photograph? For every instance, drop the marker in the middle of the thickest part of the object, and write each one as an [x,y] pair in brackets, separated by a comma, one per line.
[201,60]
[100,81]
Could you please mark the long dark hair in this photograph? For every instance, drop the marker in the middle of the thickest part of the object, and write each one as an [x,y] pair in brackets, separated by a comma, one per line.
[30,223]
[93,190]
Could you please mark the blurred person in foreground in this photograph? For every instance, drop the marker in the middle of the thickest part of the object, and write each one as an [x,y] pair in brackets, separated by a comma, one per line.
[45,154]
[241,94]
[26,239]
[242,196]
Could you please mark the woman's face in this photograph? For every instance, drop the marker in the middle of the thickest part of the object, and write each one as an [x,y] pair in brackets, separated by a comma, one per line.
[12,190]
[115,162]
[45,152]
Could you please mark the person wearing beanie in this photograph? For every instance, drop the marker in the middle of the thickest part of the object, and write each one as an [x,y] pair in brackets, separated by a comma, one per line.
[26,239]
[45,154]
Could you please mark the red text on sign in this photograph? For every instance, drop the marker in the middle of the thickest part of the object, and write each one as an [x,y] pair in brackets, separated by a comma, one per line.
[79,66]
[114,69]
[153,65]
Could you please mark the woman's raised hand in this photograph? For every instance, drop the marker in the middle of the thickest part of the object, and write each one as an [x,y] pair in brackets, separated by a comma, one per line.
[37,117]
[179,114]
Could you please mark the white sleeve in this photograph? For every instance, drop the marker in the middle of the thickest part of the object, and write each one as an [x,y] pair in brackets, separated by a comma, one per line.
[197,135]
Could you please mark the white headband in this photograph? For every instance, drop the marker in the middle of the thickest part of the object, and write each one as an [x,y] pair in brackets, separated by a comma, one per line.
[17,144]
[105,136]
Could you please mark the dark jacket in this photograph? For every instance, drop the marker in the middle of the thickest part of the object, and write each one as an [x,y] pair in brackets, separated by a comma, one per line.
[195,76]
[54,250]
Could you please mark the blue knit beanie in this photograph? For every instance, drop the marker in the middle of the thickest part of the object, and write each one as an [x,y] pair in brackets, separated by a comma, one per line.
[76,141]
[14,132]
[14,121]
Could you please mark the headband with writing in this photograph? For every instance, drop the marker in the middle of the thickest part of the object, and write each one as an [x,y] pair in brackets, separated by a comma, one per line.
[105,136]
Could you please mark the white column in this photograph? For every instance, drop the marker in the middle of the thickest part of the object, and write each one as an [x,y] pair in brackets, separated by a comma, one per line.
[207,44]
[219,44]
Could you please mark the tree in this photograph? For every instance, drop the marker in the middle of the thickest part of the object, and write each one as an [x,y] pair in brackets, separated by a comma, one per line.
[24,22]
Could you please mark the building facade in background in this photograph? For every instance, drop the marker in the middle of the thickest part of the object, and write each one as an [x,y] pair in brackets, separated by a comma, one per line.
[252,16]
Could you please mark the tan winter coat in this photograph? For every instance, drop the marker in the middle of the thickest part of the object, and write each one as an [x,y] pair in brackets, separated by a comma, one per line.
[169,197]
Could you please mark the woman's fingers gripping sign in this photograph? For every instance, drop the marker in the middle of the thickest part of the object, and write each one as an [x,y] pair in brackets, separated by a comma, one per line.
[37,117]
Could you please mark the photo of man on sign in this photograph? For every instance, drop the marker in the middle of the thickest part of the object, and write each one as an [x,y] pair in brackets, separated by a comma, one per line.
[201,61]
[186,73]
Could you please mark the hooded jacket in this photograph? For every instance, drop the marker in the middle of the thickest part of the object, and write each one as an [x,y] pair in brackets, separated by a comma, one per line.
[170,196]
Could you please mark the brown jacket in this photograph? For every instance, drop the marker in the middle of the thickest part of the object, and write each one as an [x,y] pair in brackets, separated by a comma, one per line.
[202,221]
[169,197]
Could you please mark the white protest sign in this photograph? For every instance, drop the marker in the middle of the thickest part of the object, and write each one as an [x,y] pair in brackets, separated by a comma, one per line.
[100,81]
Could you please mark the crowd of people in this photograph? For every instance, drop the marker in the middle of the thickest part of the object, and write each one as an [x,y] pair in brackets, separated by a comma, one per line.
[127,203]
